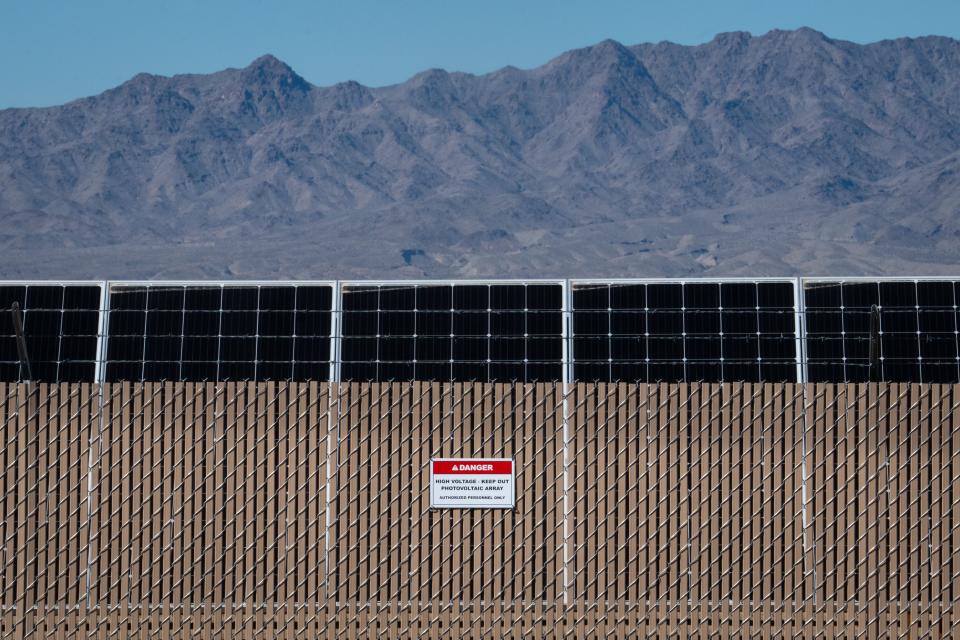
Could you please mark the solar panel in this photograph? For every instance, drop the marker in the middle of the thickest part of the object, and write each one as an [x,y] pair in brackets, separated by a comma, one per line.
[683,331]
[917,337]
[495,332]
[219,332]
[60,325]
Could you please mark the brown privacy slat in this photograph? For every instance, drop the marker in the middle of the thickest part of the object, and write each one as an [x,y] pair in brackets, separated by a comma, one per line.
[213,483]
[208,515]
[25,521]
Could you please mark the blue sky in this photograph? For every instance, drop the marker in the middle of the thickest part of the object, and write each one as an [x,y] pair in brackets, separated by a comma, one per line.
[51,52]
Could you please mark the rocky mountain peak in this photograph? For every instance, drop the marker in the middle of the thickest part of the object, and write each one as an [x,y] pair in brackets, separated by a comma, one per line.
[269,69]
[268,88]
[267,72]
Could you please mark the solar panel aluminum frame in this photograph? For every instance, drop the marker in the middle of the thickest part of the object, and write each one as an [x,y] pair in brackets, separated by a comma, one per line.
[101,330]
[334,307]
[799,337]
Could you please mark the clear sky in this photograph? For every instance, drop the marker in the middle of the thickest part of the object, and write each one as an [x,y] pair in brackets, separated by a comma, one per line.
[51,52]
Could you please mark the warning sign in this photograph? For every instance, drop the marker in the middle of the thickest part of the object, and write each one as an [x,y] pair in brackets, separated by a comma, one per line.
[471,484]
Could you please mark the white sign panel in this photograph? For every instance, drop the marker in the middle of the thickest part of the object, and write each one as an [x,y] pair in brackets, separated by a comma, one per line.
[478,483]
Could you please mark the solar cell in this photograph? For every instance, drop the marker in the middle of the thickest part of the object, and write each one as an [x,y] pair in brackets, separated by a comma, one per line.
[200,356]
[938,326]
[163,338]
[312,327]
[238,333]
[9,358]
[777,324]
[275,332]
[703,344]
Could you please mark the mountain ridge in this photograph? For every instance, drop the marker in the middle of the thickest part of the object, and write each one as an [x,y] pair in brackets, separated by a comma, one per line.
[782,154]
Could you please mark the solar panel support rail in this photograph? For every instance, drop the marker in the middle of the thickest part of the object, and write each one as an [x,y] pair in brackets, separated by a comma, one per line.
[336,332]
[799,323]
[103,326]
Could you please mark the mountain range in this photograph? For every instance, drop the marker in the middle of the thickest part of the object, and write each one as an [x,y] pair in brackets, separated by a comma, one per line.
[789,153]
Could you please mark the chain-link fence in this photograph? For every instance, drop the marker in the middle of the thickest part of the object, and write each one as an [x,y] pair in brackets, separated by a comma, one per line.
[302,510]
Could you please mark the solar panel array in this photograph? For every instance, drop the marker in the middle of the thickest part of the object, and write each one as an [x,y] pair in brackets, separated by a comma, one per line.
[219,333]
[918,337]
[60,325]
[645,331]
[684,331]
[462,332]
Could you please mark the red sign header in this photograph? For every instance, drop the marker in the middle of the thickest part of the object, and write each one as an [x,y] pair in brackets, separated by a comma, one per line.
[472,467]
